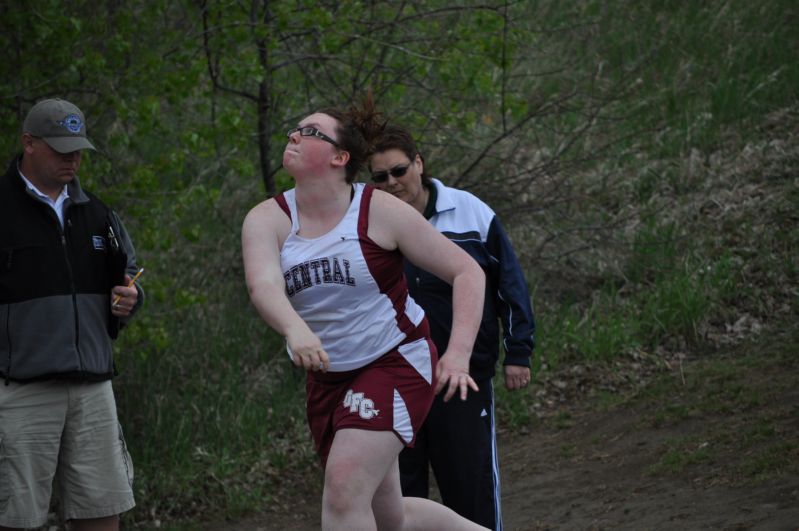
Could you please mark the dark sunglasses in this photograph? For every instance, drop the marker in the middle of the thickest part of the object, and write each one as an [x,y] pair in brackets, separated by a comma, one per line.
[311,131]
[396,171]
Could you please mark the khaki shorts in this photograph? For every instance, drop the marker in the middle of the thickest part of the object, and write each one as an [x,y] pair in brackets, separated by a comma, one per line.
[63,430]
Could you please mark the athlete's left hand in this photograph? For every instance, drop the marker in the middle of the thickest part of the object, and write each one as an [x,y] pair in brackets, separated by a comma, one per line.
[452,371]
[516,377]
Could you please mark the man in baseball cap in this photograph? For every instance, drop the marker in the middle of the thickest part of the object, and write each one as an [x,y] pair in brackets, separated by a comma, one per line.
[59,123]
[67,262]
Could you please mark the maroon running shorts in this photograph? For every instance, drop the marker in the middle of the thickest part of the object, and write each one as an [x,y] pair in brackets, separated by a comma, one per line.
[393,393]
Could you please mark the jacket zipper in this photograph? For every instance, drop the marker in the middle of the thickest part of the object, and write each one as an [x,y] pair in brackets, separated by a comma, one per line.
[10,350]
[68,223]
[8,325]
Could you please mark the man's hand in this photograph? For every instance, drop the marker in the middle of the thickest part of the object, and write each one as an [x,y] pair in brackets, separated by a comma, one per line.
[124,298]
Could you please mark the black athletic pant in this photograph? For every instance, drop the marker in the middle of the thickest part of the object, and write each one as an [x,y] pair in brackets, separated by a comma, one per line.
[458,442]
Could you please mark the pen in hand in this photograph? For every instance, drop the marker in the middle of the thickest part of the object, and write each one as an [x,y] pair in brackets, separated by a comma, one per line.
[130,284]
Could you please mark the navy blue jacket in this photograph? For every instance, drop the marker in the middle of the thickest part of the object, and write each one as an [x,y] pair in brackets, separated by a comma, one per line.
[472,225]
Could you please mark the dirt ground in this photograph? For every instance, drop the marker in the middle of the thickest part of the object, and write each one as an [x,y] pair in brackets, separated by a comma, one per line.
[584,465]
[595,476]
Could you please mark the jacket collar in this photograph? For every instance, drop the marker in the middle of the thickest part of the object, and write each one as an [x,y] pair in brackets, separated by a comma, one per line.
[76,194]
[444,199]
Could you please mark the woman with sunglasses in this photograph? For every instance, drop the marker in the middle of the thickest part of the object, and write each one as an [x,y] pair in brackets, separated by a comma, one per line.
[467,474]
[324,268]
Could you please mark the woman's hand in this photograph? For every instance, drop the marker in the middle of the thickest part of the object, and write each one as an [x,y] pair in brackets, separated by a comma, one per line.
[452,372]
[306,351]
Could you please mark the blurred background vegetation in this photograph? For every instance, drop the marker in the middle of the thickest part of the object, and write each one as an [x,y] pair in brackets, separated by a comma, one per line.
[642,155]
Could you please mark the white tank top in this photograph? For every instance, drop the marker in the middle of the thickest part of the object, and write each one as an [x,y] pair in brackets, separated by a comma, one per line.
[350,291]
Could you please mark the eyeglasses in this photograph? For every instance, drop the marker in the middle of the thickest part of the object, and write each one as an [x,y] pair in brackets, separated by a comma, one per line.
[311,131]
[396,171]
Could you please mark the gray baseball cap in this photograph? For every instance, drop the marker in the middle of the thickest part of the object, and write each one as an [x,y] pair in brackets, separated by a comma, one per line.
[59,123]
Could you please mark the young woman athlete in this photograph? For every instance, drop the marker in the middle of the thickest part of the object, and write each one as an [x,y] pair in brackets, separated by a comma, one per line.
[324,268]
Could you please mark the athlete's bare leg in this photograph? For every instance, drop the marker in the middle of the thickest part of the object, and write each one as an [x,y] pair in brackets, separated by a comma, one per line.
[356,466]
[362,488]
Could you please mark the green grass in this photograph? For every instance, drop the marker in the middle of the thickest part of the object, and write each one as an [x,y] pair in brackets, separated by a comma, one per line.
[683,453]
[756,455]
[732,410]
[220,426]
[778,458]
[568,450]
[606,400]
[695,85]
[673,296]
[708,387]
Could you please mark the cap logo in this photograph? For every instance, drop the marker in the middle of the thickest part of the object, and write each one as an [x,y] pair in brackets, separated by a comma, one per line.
[72,123]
